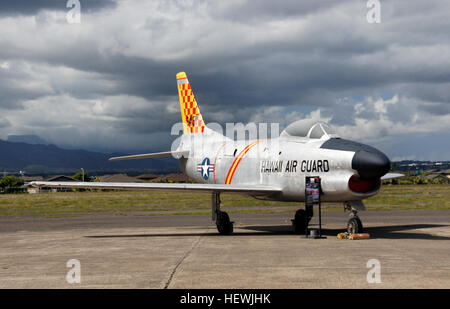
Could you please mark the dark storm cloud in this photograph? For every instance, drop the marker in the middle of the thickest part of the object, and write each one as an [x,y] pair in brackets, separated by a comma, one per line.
[18,85]
[436,108]
[242,59]
[266,9]
[27,7]
[260,74]
[438,92]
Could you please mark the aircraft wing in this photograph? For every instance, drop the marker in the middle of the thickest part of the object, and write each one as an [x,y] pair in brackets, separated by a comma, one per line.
[176,154]
[257,189]
[392,176]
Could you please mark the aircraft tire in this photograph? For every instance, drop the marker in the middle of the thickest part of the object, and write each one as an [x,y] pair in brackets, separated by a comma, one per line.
[354,226]
[224,225]
[299,222]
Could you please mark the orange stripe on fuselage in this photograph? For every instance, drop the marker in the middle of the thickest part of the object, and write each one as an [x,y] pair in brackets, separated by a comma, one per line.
[237,161]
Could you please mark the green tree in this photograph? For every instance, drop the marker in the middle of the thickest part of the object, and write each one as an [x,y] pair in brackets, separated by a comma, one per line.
[79,176]
[394,166]
[9,182]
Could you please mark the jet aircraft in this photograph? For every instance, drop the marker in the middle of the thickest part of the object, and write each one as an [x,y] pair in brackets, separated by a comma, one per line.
[271,169]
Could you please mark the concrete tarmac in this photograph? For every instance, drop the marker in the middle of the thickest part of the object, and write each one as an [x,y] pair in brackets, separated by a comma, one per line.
[412,247]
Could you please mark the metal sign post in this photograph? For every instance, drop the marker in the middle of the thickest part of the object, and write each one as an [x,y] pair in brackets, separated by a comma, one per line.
[312,197]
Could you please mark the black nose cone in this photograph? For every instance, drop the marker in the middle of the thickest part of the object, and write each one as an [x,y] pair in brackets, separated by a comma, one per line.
[371,163]
[368,161]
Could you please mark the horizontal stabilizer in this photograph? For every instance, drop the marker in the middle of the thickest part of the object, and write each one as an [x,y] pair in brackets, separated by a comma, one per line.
[392,176]
[256,189]
[175,154]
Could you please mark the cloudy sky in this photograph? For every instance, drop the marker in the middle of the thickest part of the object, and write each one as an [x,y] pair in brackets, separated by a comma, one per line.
[108,83]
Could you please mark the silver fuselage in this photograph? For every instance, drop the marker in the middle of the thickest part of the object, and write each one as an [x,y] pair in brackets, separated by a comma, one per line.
[283,162]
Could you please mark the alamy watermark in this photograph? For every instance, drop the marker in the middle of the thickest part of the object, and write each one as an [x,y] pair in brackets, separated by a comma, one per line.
[374,273]
[374,13]
[238,132]
[74,273]
[73,16]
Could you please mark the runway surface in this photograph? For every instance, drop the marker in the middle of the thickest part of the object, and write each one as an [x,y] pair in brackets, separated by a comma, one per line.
[413,248]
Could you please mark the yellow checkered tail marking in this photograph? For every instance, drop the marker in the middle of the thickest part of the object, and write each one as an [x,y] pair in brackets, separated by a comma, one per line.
[190,113]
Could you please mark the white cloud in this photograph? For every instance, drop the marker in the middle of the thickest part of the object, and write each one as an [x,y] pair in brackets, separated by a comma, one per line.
[382,120]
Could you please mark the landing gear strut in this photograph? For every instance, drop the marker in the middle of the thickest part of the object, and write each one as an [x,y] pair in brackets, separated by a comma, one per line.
[354,224]
[223,223]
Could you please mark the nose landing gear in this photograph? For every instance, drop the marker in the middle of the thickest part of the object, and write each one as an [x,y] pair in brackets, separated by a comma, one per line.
[354,224]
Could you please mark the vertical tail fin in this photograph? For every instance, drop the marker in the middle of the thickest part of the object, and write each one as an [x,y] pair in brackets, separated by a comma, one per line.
[190,113]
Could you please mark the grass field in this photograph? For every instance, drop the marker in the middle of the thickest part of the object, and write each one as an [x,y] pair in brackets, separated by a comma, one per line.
[144,203]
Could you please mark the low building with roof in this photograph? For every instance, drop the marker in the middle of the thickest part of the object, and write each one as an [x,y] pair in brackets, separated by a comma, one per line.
[56,178]
[442,176]
[147,177]
[175,177]
[118,178]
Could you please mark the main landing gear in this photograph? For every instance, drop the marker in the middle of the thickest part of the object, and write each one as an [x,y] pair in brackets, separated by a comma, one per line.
[223,223]
[301,220]
[354,224]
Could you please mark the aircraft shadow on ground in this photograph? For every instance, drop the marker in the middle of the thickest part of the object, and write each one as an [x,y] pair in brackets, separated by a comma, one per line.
[380,232]
[385,232]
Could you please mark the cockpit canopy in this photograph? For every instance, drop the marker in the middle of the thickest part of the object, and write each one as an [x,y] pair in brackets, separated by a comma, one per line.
[309,128]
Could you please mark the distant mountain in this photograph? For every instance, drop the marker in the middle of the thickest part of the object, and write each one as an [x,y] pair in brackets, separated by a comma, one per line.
[48,159]
[29,139]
